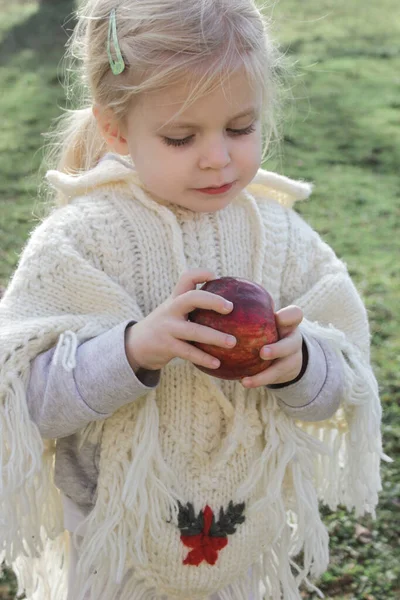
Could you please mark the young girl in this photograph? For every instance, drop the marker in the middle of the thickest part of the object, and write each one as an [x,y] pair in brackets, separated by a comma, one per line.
[127,472]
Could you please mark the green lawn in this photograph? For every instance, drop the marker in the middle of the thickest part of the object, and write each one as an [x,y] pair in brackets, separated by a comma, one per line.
[342,131]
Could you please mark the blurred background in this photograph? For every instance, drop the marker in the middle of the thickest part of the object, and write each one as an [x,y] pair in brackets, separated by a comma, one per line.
[341,131]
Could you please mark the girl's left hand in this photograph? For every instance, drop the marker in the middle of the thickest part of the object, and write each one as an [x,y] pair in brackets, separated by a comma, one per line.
[286,353]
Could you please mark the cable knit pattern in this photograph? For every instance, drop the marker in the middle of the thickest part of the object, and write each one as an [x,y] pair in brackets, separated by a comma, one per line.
[112,254]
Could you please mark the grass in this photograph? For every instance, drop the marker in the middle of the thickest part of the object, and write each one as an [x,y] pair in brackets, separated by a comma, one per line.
[342,131]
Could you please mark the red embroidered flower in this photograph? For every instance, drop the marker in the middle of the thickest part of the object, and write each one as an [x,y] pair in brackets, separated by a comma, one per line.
[204,535]
[204,546]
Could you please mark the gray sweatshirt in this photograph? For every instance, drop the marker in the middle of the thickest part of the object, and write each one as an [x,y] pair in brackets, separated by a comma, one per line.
[62,402]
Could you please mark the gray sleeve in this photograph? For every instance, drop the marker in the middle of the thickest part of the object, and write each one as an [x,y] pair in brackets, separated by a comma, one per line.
[61,402]
[316,396]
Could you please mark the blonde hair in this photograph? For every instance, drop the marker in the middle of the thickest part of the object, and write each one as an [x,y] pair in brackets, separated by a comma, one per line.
[160,41]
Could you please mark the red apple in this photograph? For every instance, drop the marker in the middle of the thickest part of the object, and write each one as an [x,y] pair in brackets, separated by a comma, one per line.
[252,322]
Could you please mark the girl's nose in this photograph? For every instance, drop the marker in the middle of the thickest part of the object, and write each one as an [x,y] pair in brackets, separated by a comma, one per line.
[215,154]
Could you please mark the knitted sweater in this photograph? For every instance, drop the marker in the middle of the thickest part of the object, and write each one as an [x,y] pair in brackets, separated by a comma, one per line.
[199,479]
[62,402]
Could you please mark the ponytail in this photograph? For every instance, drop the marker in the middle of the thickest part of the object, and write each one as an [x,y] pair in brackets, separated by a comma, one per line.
[76,146]
[83,144]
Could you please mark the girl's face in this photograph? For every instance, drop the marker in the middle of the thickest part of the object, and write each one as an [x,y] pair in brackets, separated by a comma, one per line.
[214,142]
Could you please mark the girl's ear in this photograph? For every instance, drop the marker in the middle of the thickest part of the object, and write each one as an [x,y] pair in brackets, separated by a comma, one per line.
[110,129]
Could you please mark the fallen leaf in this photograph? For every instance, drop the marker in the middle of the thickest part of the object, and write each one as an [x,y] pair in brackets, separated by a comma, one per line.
[363,534]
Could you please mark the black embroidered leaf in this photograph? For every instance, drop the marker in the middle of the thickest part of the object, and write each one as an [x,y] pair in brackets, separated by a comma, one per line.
[227,522]
[183,516]
[215,529]
[200,522]
[187,521]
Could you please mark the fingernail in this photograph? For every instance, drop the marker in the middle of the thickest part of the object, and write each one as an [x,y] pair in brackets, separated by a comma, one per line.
[266,352]
[228,305]
[231,340]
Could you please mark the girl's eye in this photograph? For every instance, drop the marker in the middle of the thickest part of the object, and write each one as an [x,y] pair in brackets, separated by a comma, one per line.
[179,142]
[250,129]
[184,141]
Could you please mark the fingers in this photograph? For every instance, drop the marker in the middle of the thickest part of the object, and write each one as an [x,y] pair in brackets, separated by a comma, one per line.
[283,347]
[287,319]
[193,354]
[189,280]
[185,330]
[287,357]
[283,370]
[188,301]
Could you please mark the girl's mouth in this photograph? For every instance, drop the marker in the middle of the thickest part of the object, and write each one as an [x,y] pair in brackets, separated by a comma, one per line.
[217,190]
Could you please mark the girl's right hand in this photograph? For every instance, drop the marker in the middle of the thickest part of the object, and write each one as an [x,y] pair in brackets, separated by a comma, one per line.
[164,334]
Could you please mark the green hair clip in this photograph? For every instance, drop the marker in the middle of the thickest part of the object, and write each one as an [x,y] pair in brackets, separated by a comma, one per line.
[117,66]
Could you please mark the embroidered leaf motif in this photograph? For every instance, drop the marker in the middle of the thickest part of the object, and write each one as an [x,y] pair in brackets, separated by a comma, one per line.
[227,522]
[203,534]
[187,521]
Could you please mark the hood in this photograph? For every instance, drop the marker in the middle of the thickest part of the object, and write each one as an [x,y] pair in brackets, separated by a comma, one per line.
[113,169]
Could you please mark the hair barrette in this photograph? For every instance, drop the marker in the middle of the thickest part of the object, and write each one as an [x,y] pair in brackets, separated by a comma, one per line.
[118,65]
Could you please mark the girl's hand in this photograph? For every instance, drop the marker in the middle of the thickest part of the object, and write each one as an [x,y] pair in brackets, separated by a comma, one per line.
[164,334]
[286,353]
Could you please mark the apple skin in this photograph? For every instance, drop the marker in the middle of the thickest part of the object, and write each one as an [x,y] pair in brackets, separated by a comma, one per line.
[251,321]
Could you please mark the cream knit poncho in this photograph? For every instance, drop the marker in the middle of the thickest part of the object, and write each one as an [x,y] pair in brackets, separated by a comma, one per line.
[197,456]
